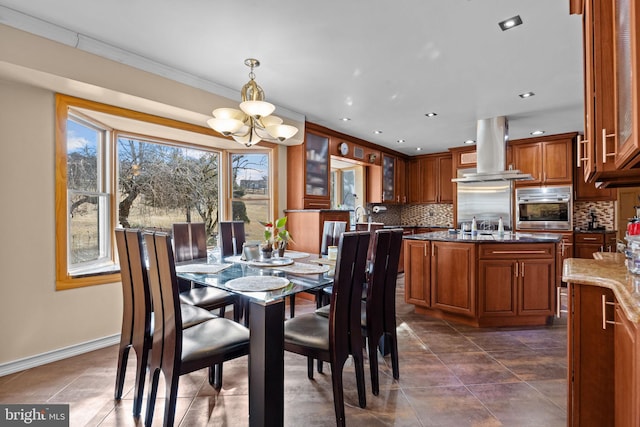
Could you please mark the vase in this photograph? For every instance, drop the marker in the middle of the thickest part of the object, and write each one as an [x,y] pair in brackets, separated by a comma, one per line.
[266,252]
[281,248]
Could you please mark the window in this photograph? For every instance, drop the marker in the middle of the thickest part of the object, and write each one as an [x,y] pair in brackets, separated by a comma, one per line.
[107,177]
[250,192]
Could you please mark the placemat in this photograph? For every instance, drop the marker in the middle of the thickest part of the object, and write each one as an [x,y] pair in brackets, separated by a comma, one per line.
[257,283]
[304,268]
[270,262]
[295,254]
[202,268]
[323,261]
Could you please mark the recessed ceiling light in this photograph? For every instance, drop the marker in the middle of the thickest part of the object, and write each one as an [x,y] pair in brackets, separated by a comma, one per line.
[345,119]
[510,23]
[419,149]
[537,132]
[400,141]
[526,95]
[377,132]
[469,141]
[431,114]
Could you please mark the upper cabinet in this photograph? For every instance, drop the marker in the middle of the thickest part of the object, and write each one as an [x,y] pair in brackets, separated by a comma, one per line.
[308,173]
[609,152]
[430,179]
[547,159]
[387,184]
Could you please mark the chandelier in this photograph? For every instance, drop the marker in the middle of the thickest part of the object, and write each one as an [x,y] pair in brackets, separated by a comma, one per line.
[253,122]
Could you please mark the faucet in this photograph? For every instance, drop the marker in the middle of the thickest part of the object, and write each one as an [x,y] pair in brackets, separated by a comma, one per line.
[357,214]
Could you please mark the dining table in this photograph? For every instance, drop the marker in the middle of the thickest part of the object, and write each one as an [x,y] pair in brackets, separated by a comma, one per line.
[265,283]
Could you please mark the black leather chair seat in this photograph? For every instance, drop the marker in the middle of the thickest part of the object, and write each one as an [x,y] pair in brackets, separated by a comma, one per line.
[226,336]
[307,330]
[201,296]
[192,315]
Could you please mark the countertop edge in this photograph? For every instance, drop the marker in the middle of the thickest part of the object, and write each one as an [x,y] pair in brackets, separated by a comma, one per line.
[607,272]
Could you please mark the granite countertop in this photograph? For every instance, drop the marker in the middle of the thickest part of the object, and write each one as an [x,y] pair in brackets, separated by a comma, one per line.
[444,227]
[487,237]
[607,270]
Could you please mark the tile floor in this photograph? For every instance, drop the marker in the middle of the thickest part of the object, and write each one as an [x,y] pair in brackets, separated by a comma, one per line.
[450,375]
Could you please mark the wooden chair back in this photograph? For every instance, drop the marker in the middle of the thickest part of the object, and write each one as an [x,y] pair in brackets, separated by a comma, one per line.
[189,241]
[232,237]
[331,232]
[344,315]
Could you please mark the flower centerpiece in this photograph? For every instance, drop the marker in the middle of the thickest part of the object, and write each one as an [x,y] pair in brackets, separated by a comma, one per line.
[276,237]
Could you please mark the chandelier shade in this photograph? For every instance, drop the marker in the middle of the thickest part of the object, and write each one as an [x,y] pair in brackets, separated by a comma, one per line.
[253,122]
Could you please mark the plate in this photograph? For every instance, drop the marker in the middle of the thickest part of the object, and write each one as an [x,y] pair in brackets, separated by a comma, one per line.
[257,283]
[271,262]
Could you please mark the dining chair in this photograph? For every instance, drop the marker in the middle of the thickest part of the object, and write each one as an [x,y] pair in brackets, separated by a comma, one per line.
[190,242]
[137,313]
[378,319]
[332,339]
[181,351]
[232,237]
[331,232]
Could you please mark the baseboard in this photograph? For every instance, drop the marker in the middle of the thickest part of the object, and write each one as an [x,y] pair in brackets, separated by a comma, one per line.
[55,355]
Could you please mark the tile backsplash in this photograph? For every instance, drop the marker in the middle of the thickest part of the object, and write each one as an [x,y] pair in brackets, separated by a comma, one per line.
[442,214]
[605,212]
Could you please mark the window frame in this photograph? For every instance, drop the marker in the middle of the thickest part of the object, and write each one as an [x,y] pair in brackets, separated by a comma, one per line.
[64,280]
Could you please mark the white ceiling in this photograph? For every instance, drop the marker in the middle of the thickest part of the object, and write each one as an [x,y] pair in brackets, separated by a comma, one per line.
[384,64]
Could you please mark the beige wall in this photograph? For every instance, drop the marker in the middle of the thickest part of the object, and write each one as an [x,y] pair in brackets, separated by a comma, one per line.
[36,318]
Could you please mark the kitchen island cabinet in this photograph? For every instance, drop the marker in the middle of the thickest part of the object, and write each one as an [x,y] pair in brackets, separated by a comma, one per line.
[483,280]
[603,342]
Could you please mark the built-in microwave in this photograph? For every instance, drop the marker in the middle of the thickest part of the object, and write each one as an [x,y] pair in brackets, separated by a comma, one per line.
[544,208]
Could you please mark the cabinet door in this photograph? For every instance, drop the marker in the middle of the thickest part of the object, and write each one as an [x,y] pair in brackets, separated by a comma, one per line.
[557,162]
[527,158]
[401,181]
[625,376]
[429,180]
[591,358]
[445,173]
[586,250]
[413,186]
[536,287]
[388,179]
[317,166]
[625,31]
[453,289]
[497,288]
[417,270]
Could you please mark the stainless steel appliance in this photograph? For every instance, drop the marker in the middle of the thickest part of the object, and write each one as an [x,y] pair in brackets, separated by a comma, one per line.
[486,201]
[544,208]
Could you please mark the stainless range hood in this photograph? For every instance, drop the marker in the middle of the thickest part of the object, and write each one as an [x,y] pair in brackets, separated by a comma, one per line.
[491,147]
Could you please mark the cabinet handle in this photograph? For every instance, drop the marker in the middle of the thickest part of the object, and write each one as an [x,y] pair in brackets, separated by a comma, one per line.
[578,154]
[606,135]
[590,238]
[558,305]
[601,248]
[604,313]
[562,248]
[520,252]
[516,269]
[522,270]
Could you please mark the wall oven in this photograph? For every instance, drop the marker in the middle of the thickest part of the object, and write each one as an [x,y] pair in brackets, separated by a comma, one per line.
[544,208]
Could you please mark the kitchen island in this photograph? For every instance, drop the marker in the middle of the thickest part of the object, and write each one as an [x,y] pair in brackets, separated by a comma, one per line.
[483,280]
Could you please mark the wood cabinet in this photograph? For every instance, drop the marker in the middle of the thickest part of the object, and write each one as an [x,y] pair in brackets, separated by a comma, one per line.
[406,231]
[590,398]
[387,183]
[453,271]
[547,159]
[481,284]
[627,387]
[516,280]
[584,191]
[308,173]
[430,179]
[417,272]
[306,227]
[608,152]
[586,244]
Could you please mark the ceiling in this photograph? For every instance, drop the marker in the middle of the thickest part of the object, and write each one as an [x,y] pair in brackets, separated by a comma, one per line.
[382,64]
